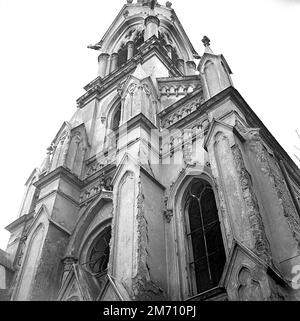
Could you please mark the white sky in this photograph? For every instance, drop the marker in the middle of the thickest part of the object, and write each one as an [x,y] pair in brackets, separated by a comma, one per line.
[44,64]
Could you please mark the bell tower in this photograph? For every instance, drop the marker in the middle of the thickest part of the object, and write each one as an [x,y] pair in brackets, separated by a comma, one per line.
[163,185]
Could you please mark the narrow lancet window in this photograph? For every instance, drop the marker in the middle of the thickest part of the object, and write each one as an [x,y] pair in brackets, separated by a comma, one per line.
[206,249]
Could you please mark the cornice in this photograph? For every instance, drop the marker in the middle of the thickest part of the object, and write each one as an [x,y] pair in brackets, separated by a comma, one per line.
[58,173]
[146,172]
[19,222]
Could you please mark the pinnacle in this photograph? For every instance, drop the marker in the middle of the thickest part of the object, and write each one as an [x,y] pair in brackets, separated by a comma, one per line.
[206,43]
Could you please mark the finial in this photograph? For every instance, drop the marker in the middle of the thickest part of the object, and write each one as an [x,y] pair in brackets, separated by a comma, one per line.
[206,41]
[97,46]
[152,4]
[168,4]
[50,149]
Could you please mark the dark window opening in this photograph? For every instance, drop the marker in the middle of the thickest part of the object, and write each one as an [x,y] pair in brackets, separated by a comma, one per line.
[207,254]
[99,254]
[161,38]
[114,134]
[138,41]
[122,55]
[116,119]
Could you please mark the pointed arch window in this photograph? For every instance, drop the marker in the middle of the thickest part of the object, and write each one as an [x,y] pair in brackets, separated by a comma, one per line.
[115,123]
[116,119]
[206,254]
[99,254]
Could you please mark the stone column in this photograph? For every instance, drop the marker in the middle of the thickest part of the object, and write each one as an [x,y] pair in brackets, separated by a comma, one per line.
[152,25]
[102,60]
[191,67]
[180,64]
[130,49]
[114,62]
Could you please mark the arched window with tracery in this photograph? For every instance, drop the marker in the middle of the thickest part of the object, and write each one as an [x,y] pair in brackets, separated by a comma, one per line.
[99,254]
[206,254]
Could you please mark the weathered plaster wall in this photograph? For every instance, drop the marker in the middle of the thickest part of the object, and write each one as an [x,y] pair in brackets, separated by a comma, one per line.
[154,245]
[49,271]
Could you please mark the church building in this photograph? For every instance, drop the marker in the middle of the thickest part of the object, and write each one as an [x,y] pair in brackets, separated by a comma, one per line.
[163,185]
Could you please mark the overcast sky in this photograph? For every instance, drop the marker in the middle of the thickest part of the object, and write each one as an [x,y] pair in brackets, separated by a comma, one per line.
[45,63]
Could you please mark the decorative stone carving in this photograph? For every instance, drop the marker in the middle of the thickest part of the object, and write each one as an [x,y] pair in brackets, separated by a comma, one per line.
[187,148]
[181,112]
[270,168]
[206,41]
[262,246]
[249,289]
[68,263]
[168,213]
[142,286]
[102,184]
[100,163]
[22,247]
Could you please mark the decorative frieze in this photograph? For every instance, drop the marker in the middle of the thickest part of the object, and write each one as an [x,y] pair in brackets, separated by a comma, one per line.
[100,163]
[102,184]
[181,112]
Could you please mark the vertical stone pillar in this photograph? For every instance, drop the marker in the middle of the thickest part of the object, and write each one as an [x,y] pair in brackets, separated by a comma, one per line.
[152,24]
[102,60]
[191,67]
[114,61]
[180,64]
[169,50]
[130,49]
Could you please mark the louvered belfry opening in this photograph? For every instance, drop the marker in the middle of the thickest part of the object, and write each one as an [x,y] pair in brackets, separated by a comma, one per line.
[206,249]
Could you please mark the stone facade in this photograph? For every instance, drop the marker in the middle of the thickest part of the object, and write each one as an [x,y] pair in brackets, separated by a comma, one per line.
[164,184]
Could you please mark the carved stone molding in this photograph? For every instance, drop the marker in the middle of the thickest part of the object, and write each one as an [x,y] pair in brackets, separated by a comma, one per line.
[249,288]
[181,112]
[262,246]
[68,263]
[168,214]
[271,169]
[143,287]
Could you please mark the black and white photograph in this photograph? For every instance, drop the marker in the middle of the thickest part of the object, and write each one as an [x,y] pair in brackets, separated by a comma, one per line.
[150,152]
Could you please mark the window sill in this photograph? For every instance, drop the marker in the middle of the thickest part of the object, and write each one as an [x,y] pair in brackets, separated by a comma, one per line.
[214,294]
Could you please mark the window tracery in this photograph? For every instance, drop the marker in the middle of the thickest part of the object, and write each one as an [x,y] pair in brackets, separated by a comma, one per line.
[206,254]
